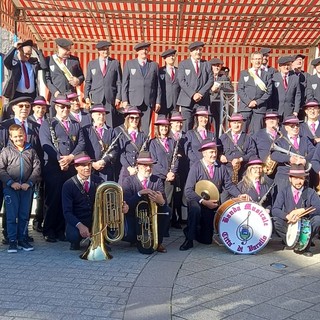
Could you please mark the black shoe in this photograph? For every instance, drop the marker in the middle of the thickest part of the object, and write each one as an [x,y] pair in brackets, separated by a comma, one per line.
[75,246]
[188,244]
[306,253]
[12,247]
[37,226]
[176,225]
[50,239]
[5,241]
[25,245]
[30,239]
[61,236]
[312,244]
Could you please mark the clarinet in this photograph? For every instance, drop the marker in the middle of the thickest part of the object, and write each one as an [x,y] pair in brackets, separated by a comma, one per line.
[53,134]
[264,198]
[175,155]
[113,143]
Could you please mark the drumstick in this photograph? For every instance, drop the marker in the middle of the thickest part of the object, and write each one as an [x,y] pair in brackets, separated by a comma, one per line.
[306,212]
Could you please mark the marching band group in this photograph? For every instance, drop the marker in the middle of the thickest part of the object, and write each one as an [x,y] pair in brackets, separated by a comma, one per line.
[266,156]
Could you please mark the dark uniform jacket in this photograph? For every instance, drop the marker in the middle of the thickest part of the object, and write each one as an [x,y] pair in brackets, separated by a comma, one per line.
[192,83]
[13,64]
[313,88]
[55,78]
[103,89]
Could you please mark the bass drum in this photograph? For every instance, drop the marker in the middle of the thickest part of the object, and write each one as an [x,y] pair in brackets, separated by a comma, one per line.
[221,210]
[244,227]
[299,234]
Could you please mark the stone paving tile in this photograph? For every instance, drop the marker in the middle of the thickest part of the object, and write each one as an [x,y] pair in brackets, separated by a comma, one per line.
[243,316]
[289,303]
[306,314]
[268,312]
[199,313]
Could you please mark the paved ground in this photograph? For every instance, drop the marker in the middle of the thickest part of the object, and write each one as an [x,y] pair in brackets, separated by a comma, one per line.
[207,282]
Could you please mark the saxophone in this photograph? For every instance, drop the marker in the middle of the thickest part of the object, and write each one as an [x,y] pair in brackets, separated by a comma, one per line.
[147,226]
[270,165]
[235,172]
[108,221]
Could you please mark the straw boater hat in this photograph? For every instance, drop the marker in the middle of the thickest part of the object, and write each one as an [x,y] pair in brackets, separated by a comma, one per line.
[297,171]
[81,158]
[207,144]
[162,120]
[145,158]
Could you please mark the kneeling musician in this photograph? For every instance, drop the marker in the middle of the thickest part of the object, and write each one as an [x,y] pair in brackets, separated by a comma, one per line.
[148,217]
[289,202]
[201,211]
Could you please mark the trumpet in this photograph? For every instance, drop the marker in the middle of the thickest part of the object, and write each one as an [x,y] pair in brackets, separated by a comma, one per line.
[147,226]
[108,221]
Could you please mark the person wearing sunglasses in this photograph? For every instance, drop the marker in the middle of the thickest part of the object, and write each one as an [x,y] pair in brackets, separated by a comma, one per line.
[301,150]
[21,108]
[61,138]
[131,141]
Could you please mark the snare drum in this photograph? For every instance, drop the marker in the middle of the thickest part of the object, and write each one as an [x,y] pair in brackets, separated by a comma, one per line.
[244,227]
[299,234]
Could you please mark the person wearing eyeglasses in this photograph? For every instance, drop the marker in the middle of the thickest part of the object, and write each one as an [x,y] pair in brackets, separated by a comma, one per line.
[301,148]
[131,142]
[76,113]
[61,138]
[21,108]
[23,71]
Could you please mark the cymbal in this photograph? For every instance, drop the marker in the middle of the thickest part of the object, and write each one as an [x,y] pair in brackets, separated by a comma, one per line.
[207,190]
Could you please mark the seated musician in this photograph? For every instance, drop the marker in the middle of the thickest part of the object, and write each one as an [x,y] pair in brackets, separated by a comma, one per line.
[296,196]
[78,195]
[237,148]
[301,150]
[201,211]
[201,131]
[98,137]
[142,186]
[256,184]
[130,142]
[310,128]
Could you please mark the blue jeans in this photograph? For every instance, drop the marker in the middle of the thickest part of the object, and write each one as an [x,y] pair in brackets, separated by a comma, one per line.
[18,204]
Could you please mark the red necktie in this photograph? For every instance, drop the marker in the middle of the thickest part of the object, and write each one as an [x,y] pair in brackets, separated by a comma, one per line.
[258,187]
[100,132]
[133,135]
[285,83]
[295,143]
[26,75]
[172,73]
[296,196]
[257,72]
[64,60]
[104,68]
[66,124]
[210,170]
[313,128]
[24,130]
[86,186]
[197,67]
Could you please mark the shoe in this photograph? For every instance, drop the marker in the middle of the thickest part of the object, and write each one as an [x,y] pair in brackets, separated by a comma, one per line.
[62,237]
[286,248]
[37,226]
[13,247]
[306,253]
[5,241]
[50,239]
[176,225]
[312,244]
[30,239]
[161,248]
[25,245]
[188,244]
[75,246]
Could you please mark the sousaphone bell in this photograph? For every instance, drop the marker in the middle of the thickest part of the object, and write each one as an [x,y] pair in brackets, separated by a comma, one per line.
[207,190]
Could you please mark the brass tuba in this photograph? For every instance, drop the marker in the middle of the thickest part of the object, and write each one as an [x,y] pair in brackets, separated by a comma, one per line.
[147,226]
[108,221]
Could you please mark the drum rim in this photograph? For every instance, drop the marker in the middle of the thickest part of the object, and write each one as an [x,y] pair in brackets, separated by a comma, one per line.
[297,224]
